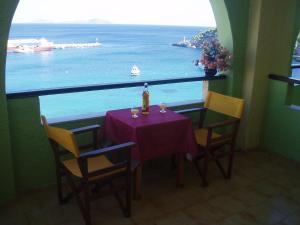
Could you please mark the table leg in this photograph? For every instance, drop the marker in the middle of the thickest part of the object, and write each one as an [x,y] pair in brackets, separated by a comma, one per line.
[138,182]
[180,170]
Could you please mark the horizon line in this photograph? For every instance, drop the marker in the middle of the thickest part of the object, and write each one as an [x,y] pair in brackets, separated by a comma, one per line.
[91,23]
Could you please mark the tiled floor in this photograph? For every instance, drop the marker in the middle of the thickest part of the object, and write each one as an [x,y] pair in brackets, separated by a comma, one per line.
[264,190]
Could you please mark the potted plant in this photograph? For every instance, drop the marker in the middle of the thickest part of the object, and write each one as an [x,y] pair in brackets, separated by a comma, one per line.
[214,57]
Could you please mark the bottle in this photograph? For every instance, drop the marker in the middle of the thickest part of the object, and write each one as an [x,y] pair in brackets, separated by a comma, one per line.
[145,96]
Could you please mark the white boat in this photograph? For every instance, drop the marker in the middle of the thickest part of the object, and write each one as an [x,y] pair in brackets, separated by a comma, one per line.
[135,71]
[23,49]
[43,45]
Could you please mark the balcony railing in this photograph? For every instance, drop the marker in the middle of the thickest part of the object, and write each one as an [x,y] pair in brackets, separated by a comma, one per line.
[97,87]
[287,79]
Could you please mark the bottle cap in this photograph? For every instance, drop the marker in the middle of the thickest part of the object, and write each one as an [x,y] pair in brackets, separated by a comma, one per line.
[146,84]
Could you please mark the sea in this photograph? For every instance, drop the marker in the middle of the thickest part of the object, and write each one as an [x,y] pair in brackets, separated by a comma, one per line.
[122,46]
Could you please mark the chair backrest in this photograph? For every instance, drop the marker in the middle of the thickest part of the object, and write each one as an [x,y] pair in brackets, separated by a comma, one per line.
[224,104]
[62,137]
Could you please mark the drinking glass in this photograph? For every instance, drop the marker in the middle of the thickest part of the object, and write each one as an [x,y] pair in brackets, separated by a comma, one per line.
[162,107]
[134,112]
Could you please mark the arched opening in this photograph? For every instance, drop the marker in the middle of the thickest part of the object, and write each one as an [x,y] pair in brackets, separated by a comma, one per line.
[224,34]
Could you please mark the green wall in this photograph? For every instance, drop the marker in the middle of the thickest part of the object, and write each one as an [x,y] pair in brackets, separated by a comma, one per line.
[238,12]
[268,50]
[232,18]
[281,123]
[33,161]
[7,187]
[32,156]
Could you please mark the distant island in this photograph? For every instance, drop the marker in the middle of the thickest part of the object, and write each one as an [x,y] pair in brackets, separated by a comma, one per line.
[88,21]
[197,40]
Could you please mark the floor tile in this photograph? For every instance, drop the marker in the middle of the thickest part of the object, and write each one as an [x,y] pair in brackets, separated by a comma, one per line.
[249,197]
[264,190]
[293,219]
[227,204]
[205,214]
[264,214]
[178,218]
[239,219]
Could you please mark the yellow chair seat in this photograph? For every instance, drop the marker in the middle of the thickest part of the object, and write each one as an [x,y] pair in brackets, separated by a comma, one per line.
[95,163]
[201,136]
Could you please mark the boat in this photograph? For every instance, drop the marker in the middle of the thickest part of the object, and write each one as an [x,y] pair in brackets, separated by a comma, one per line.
[43,45]
[135,71]
[23,49]
[184,43]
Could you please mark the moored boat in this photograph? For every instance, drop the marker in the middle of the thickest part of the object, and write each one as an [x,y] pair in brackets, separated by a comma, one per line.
[135,71]
[23,49]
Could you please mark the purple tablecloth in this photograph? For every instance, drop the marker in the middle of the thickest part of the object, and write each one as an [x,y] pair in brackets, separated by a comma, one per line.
[156,134]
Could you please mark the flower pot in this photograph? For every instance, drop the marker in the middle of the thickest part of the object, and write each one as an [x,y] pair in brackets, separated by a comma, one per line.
[210,72]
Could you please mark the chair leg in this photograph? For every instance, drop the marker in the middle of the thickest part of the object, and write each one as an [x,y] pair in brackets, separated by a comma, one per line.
[87,204]
[138,182]
[118,197]
[126,208]
[78,200]
[198,167]
[204,177]
[202,171]
[180,170]
[219,165]
[59,186]
[61,198]
[231,156]
[128,194]
[173,161]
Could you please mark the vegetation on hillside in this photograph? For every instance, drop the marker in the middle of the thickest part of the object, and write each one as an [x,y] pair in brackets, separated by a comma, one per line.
[198,39]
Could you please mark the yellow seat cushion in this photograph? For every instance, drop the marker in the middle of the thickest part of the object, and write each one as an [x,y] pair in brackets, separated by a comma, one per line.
[201,136]
[95,163]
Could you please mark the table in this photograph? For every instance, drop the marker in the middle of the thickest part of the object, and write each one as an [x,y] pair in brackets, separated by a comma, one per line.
[157,134]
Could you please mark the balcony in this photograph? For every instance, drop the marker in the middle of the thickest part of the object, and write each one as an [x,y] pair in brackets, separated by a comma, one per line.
[264,188]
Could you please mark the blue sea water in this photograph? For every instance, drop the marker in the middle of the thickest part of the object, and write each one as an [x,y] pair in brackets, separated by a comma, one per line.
[149,47]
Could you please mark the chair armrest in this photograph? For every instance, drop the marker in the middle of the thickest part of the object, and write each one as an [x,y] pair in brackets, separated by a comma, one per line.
[183,111]
[223,123]
[102,151]
[85,129]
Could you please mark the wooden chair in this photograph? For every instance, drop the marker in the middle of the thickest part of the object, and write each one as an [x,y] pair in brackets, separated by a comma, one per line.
[85,170]
[209,141]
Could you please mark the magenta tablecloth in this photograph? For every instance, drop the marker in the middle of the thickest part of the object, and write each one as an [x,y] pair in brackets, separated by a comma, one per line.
[156,134]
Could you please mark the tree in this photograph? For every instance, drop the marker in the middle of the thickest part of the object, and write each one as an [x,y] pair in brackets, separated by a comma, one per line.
[198,39]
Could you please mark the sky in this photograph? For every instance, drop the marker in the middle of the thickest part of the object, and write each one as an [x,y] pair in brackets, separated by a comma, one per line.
[156,12]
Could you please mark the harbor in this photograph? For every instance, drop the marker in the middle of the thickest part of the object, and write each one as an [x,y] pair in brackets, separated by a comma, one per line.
[39,45]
